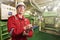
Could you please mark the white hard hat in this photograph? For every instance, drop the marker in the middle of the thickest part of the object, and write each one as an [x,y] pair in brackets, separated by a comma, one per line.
[20,3]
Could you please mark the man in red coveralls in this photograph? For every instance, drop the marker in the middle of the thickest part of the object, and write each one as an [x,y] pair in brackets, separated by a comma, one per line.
[18,24]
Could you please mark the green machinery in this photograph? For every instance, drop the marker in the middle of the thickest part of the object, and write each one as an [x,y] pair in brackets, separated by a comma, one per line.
[3,31]
[51,22]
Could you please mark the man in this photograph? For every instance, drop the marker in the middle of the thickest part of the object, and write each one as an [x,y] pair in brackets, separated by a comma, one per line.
[18,25]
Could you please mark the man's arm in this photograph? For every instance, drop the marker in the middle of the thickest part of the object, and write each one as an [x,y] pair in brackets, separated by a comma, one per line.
[28,26]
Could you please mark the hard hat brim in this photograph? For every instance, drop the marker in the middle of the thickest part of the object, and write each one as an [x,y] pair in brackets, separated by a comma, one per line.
[20,5]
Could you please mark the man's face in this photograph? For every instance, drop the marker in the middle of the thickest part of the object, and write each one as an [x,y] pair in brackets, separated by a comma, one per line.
[20,9]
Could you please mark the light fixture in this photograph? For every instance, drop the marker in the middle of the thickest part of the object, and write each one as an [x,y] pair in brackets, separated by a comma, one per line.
[56,25]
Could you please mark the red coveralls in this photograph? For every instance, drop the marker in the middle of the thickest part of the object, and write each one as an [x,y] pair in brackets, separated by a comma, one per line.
[18,24]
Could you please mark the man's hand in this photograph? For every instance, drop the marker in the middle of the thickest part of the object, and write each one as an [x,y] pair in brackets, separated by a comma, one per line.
[28,27]
[25,33]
